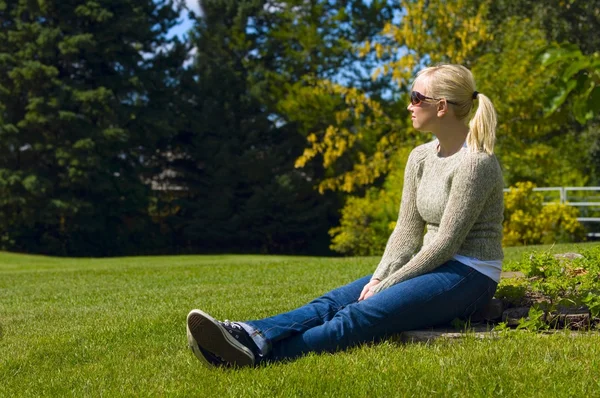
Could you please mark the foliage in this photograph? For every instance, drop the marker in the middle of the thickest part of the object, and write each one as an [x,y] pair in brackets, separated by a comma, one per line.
[351,127]
[364,138]
[111,143]
[552,282]
[368,221]
[365,135]
[535,320]
[592,301]
[561,20]
[512,291]
[529,146]
[235,156]
[365,225]
[86,90]
[499,41]
[579,79]
[528,221]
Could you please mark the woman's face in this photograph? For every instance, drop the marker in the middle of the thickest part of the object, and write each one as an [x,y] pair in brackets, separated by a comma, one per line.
[423,115]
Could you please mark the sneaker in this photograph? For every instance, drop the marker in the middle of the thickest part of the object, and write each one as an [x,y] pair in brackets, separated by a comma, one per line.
[207,358]
[227,341]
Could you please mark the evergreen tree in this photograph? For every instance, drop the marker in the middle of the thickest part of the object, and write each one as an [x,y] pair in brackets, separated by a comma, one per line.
[85,98]
[236,157]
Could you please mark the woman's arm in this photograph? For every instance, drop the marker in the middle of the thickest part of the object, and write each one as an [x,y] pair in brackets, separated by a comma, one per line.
[471,187]
[407,236]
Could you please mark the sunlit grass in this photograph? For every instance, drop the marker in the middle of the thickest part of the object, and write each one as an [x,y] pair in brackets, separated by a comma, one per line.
[116,327]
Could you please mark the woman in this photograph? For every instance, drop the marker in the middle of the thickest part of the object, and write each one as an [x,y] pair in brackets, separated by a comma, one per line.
[453,190]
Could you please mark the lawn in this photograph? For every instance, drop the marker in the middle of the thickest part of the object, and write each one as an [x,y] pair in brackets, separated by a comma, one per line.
[116,327]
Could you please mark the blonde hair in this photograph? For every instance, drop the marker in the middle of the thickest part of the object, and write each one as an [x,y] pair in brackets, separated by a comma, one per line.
[456,84]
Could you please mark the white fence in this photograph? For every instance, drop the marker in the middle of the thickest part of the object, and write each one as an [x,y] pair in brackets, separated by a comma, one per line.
[586,199]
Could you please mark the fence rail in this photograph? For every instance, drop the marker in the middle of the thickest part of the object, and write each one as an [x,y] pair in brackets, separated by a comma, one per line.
[590,209]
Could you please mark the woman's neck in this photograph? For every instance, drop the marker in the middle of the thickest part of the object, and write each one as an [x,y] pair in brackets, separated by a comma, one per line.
[451,138]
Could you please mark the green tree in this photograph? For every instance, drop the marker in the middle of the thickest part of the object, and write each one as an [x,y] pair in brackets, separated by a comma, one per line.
[326,90]
[234,159]
[255,64]
[579,80]
[85,96]
[576,93]
[500,44]
[571,24]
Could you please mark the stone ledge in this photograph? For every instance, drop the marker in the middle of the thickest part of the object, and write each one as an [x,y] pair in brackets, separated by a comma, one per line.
[424,336]
[480,332]
[512,275]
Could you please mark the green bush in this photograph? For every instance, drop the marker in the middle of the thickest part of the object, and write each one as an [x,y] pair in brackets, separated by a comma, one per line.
[551,282]
[527,221]
[365,225]
[368,221]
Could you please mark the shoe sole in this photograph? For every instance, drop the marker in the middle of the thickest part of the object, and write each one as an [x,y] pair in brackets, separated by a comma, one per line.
[214,338]
[193,345]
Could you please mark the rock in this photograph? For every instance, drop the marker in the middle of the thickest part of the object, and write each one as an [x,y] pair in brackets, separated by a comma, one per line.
[491,312]
[512,316]
[568,256]
[535,298]
[570,318]
[512,275]
[424,336]
[576,321]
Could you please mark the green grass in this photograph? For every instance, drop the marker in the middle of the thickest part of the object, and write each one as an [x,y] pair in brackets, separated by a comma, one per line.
[116,327]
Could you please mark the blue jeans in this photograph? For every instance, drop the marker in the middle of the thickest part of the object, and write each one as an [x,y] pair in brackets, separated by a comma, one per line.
[338,320]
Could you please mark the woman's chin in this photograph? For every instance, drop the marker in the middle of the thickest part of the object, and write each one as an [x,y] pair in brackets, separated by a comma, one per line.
[418,127]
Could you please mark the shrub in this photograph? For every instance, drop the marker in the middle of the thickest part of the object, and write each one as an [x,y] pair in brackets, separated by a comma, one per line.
[365,225]
[551,281]
[368,221]
[527,221]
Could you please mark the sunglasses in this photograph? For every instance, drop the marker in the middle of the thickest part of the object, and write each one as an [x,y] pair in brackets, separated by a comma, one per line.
[416,98]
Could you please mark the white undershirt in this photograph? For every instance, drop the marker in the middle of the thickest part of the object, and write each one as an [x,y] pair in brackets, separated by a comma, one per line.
[489,268]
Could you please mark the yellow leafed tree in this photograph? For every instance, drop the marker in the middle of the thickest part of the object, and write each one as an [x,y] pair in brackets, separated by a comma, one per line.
[359,146]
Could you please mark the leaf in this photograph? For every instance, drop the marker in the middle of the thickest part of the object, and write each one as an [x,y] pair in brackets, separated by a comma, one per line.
[574,68]
[560,97]
[558,54]
[580,109]
[594,100]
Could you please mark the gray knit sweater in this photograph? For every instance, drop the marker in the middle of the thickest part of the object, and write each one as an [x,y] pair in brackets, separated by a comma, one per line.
[459,199]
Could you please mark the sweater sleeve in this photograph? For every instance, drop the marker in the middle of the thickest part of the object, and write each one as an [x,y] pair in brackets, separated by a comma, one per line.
[407,236]
[470,189]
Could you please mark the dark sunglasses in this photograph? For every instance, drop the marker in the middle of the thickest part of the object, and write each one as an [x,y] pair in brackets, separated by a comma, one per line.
[416,98]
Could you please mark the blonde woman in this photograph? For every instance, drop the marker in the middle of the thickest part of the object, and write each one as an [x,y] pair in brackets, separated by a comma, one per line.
[453,191]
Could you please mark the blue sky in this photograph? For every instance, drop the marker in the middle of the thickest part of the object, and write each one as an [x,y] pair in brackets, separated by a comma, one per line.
[194,5]
[186,24]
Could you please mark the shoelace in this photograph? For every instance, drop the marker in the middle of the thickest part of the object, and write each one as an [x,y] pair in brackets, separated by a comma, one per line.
[233,325]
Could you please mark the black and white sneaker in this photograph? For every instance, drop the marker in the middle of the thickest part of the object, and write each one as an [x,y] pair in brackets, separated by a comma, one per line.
[207,358]
[226,341]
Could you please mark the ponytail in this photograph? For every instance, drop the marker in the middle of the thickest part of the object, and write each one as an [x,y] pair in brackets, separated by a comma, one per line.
[456,84]
[482,127]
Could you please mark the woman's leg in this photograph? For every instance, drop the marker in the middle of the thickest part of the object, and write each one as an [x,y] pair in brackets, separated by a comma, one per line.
[268,331]
[452,290]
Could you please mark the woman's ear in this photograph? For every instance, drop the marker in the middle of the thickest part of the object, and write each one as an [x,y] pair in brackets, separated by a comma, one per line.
[442,108]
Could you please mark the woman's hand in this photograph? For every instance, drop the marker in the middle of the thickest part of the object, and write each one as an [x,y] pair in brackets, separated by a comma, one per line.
[366,292]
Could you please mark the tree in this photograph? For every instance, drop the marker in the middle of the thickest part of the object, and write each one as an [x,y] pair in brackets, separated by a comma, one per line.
[579,80]
[85,96]
[576,92]
[234,159]
[500,44]
[503,59]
